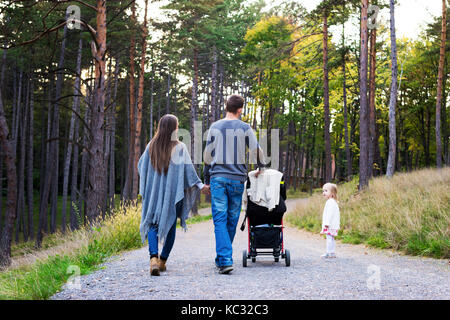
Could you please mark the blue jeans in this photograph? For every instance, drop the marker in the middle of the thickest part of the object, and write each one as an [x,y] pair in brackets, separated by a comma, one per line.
[226,200]
[170,239]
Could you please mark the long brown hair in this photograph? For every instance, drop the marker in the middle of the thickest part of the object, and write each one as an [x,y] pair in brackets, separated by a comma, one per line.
[161,145]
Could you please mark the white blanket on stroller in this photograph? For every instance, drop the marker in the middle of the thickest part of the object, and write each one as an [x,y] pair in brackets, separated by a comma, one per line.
[264,190]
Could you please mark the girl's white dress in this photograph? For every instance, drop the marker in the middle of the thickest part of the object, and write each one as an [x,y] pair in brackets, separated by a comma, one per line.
[330,218]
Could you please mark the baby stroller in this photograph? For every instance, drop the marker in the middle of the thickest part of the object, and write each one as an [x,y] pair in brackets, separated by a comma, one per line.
[265,229]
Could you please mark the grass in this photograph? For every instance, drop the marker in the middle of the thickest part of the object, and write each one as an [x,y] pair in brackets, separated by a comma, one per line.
[22,246]
[293,194]
[409,213]
[40,274]
[58,219]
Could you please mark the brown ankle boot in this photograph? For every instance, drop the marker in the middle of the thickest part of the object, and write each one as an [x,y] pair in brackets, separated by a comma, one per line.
[154,266]
[162,265]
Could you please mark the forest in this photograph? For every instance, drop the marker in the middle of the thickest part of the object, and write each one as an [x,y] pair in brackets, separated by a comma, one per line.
[83,85]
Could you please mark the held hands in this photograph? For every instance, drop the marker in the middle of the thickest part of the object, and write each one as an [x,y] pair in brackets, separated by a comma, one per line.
[206,189]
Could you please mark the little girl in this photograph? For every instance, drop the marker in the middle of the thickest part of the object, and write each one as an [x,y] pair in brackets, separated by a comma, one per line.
[330,218]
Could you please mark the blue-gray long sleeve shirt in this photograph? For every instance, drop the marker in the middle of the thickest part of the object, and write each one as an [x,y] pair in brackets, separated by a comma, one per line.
[225,150]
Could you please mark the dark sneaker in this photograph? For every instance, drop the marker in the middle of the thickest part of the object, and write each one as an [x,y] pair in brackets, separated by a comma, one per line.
[225,269]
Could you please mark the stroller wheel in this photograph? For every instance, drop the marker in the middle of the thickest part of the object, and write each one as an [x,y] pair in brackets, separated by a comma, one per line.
[244,258]
[288,258]
[277,259]
[253,259]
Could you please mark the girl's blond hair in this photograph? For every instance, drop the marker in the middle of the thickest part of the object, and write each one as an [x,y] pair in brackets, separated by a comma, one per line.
[333,189]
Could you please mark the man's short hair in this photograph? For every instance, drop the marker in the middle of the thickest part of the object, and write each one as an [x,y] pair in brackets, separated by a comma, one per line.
[234,103]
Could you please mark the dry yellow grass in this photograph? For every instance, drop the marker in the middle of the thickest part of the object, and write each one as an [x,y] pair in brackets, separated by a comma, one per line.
[123,226]
[410,212]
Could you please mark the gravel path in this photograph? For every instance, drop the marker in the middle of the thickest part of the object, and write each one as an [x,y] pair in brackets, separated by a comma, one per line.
[357,273]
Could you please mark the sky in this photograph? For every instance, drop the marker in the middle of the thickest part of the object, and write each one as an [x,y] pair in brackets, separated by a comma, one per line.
[411,15]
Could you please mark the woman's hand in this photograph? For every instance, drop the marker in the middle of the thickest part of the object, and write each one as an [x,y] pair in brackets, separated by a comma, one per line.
[206,189]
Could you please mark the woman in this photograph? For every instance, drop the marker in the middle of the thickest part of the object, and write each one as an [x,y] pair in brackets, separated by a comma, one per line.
[169,186]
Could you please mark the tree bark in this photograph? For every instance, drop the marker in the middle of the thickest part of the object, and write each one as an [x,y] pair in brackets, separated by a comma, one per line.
[326,102]
[393,97]
[21,138]
[151,102]
[194,107]
[214,112]
[346,135]
[168,93]
[112,163]
[363,111]
[137,143]
[128,187]
[75,105]
[30,188]
[51,172]
[16,113]
[439,86]
[11,196]
[372,74]
[97,173]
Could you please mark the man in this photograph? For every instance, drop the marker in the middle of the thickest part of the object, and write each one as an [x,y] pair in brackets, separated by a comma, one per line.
[225,172]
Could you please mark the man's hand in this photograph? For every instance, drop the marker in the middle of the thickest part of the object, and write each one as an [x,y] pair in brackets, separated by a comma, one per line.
[257,173]
[206,189]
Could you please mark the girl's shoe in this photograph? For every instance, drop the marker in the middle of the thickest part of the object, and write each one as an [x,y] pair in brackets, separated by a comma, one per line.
[154,266]
[326,255]
[332,255]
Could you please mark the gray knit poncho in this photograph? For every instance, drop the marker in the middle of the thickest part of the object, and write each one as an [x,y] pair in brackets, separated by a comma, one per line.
[160,193]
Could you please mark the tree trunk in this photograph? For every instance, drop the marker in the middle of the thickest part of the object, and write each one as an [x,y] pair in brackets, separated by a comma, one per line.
[74,208]
[75,104]
[11,202]
[151,102]
[84,160]
[45,157]
[137,151]
[346,137]
[30,160]
[326,102]
[219,108]
[127,192]
[373,141]
[168,93]
[439,86]
[51,171]
[20,210]
[2,77]
[214,112]
[393,97]
[194,106]
[97,173]
[363,111]
[16,113]
[112,163]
